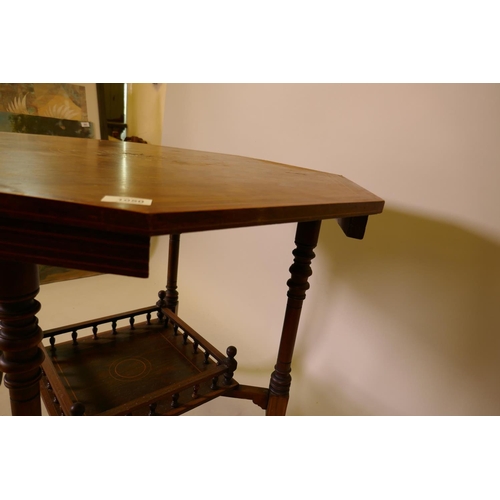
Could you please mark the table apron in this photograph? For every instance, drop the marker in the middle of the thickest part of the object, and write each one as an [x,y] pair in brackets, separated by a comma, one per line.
[76,248]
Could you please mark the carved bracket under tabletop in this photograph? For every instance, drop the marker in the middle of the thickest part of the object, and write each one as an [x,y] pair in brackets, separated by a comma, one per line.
[354,227]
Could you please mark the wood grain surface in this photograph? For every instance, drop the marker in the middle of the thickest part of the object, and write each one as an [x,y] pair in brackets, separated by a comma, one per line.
[45,178]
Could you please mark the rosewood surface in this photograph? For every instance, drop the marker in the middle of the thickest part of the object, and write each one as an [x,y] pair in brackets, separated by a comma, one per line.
[51,212]
[63,180]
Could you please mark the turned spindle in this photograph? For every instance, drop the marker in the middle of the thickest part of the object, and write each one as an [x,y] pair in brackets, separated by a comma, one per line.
[77,409]
[175,400]
[196,388]
[231,364]
[161,304]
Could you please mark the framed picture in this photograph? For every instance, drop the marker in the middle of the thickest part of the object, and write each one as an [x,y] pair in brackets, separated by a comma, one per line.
[61,109]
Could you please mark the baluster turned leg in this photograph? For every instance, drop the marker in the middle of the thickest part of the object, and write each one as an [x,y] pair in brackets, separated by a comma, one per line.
[20,335]
[172,296]
[306,239]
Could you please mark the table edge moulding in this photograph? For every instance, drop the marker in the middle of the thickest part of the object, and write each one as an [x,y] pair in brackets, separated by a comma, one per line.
[94,205]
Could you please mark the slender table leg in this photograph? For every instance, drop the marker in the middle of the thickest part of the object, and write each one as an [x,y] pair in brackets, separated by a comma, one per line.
[306,240]
[20,335]
[172,295]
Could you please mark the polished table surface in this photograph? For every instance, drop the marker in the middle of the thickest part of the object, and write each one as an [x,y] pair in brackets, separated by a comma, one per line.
[52,209]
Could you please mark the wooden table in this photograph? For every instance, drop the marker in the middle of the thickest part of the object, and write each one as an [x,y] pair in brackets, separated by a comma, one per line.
[52,212]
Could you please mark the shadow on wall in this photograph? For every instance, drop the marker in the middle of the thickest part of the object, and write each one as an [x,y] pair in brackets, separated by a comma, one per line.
[428,341]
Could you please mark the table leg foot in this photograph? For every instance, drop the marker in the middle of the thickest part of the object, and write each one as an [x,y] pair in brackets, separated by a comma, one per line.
[20,335]
[276,406]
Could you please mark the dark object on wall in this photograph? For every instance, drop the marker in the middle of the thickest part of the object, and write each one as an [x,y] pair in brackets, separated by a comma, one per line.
[101,107]
[57,109]
[30,124]
[111,103]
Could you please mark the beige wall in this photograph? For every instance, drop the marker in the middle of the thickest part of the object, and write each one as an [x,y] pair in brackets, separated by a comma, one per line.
[403,322]
[145,106]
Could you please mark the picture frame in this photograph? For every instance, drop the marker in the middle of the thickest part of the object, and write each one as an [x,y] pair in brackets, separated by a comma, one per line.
[61,109]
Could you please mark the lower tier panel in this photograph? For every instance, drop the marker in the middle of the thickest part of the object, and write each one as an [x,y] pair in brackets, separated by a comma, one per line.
[157,367]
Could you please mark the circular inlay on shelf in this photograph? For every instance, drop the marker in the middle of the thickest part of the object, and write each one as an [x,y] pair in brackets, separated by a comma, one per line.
[130,369]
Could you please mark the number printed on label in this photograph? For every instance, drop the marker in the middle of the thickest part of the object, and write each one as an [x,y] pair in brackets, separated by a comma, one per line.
[127,200]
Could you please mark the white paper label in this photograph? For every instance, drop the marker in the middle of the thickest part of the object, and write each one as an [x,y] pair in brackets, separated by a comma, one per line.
[127,200]
[85,124]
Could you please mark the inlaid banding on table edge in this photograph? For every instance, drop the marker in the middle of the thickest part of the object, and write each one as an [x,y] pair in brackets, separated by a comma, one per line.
[77,248]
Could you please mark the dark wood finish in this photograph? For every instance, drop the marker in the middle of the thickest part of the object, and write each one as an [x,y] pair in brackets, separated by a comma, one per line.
[354,227]
[258,395]
[172,295]
[97,322]
[51,213]
[101,107]
[137,369]
[134,138]
[111,102]
[20,335]
[62,180]
[54,394]
[75,247]
[306,240]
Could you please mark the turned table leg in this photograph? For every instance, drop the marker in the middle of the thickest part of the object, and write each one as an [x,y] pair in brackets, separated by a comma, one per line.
[172,295]
[20,357]
[306,240]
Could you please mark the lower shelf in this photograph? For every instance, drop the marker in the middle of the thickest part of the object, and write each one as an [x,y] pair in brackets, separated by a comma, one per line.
[144,369]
